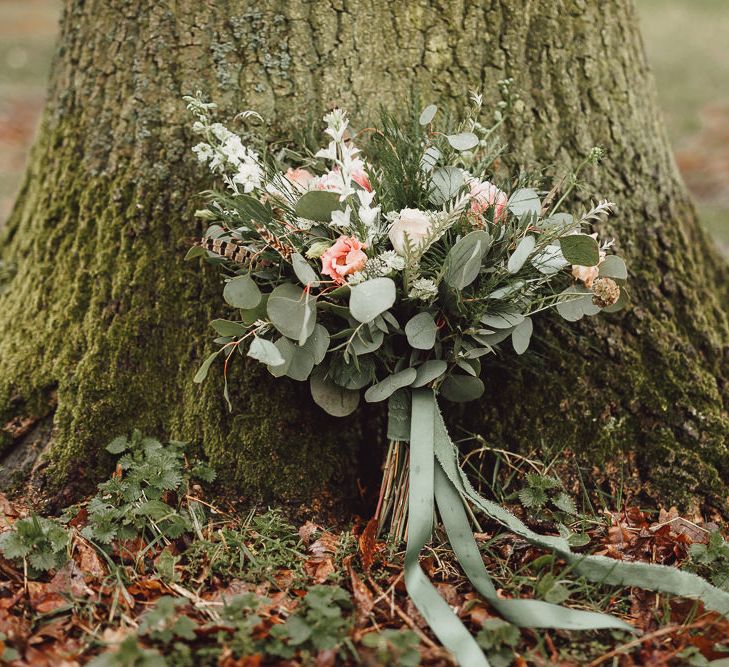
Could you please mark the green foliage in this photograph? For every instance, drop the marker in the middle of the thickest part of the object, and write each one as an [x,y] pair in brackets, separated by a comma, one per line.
[139,501]
[164,624]
[712,560]
[499,639]
[41,543]
[129,654]
[541,491]
[394,648]
[318,623]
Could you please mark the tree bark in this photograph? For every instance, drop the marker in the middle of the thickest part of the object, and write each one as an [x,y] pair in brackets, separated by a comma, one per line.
[103,325]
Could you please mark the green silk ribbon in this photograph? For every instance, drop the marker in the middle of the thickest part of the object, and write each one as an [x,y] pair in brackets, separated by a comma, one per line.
[436,478]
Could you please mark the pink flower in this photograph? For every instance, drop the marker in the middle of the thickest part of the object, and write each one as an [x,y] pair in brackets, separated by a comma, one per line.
[344,257]
[484,195]
[299,177]
[359,175]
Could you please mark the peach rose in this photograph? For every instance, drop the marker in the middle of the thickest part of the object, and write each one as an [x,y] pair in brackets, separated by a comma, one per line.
[484,195]
[413,223]
[344,257]
[299,177]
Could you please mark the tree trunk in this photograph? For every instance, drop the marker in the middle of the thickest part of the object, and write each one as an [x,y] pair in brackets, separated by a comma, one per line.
[104,325]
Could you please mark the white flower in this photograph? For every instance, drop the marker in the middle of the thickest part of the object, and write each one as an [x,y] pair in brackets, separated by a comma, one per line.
[411,227]
[423,288]
[234,150]
[220,131]
[341,218]
[203,151]
[392,260]
[337,123]
[248,176]
[356,278]
[328,153]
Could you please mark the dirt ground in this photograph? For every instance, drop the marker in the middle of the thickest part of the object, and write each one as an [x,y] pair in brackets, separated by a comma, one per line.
[687,43]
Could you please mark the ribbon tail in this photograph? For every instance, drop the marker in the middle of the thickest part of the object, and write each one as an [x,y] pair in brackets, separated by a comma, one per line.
[439,616]
[649,576]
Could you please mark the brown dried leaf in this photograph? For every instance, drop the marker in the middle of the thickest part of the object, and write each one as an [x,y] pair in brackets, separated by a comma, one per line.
[368,543]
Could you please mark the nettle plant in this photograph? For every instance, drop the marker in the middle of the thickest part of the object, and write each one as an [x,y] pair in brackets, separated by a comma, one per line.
[398,265]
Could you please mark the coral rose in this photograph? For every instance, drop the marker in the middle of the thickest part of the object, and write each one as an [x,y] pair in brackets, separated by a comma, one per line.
[346,256]
[299,177]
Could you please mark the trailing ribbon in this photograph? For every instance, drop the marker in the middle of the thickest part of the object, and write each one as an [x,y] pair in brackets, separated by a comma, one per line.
[436,478]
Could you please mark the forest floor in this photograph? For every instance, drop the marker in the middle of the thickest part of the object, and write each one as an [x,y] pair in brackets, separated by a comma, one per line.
[153,571]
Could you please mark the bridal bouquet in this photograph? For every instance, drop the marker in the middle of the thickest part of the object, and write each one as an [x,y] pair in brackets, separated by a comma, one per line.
[385,266]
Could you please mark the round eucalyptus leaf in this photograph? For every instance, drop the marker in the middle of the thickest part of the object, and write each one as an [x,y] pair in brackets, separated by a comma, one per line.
[371,298]
[333,399]
[580,249]
[388,386]
[577,304]
[446,182]
[286,349]
[421,331]
[503,320]
[242,292]
[550,260]
[463,141]
[228,328]
[522,335]
[428,371]
[461,388]
[306,275]
[523,201]
[521,254]
[318,343]
[266,352]
[463,261]
[301,364]
[613,267]
[318,205]
[292,312]
[428,114]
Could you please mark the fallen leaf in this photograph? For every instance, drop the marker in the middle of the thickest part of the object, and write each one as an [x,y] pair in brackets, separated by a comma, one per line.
[368,543]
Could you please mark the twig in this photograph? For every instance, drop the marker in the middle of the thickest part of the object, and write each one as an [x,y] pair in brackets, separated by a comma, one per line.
[639,640]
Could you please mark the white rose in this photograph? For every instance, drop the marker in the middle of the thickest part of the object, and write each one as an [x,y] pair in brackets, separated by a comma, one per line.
[413,223]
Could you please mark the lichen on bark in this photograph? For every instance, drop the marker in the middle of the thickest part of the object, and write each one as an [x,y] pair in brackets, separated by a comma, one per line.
[103,315]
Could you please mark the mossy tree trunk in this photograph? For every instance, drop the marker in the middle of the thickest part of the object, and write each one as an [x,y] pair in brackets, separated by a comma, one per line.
[103,325]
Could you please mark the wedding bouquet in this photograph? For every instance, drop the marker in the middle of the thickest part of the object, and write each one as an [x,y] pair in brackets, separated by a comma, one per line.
[385,266]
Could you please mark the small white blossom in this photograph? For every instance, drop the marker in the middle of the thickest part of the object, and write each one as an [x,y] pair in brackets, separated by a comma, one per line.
[394,261]
[220,131]
[341,218]
[424,289]
[356,278]
[203,151]
[248,176]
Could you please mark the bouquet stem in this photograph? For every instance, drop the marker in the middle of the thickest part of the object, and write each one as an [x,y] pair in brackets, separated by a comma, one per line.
[392,506]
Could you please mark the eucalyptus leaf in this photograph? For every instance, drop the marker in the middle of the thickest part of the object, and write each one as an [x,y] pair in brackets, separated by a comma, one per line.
[430,159]
[523,201]
[196,251]
[561,221]
[251,209]
[318,343]
[367,341]
[463,261]
[292,312]
[446,182]
[507,290]
[286,349]
[463,141]
[521,336]
[242,292]
[421,331]
[502,320]
[428,371]
[613,267]
[549,260]
[318,205]
[301,364]
[306,275]
[428,114]
[266,352]
[494,338]
[521,254]
[461,388]
[578,305]
[202,372]
[385,388]
[333,399]
[621,303]
[228,328]
[371,298]
[580,249]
